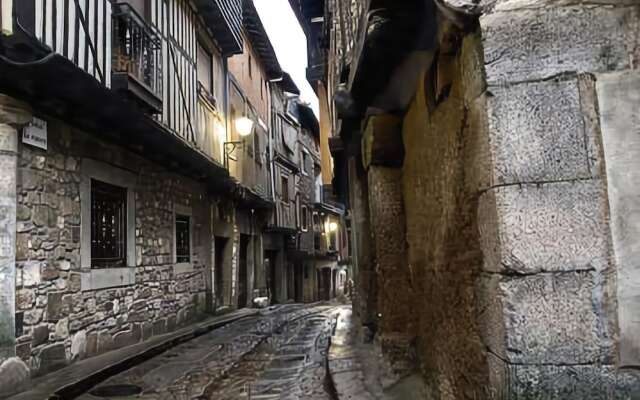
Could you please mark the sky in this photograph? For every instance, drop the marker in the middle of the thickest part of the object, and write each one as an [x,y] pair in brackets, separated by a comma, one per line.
[289,42]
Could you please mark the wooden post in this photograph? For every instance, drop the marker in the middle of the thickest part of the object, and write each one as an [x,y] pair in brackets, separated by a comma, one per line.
[6,17]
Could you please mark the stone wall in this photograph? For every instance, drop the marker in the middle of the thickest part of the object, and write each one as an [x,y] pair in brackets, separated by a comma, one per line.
[63,319]
[444,255]
[547,291]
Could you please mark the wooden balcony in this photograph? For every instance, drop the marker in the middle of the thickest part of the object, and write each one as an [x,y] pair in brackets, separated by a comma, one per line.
[136,62]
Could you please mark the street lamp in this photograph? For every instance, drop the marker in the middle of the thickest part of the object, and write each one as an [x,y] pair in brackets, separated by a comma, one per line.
[331,226]
[244,127]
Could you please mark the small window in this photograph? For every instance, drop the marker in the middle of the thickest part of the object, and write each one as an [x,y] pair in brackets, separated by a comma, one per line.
[108,225]
[305,163]
[250,67]
[284,181]
[183,239]
[205,68]
[305,218]
[261,89]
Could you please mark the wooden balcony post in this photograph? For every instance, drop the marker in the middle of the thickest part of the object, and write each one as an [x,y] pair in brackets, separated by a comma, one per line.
[6,17]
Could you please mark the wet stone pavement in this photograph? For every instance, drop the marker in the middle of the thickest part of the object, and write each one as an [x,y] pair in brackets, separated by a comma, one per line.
[279,354]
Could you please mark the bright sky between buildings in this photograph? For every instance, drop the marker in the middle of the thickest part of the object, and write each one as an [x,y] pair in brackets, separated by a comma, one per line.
[289,42]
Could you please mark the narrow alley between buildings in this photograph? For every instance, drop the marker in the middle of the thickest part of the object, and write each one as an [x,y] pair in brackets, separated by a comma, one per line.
[319,199]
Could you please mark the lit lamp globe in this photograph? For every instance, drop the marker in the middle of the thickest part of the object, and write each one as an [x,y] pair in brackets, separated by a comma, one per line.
[244,126]
[333,227]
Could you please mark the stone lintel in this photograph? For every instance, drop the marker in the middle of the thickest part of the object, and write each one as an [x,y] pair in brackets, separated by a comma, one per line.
[382,141]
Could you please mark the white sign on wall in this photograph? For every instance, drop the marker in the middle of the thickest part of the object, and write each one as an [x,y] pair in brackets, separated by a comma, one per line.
[35,133]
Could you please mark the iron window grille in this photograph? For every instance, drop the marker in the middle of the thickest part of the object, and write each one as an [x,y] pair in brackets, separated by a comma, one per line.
[183,242]
[108,225]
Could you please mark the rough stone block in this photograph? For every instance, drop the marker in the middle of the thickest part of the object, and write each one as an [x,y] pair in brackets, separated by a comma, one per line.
[532,307]
[79,345]
[52,357]
[536,44]
[40,335]
[537,133]
[619,96]
[14,376]
[572,382]
[551,227]
[59,306]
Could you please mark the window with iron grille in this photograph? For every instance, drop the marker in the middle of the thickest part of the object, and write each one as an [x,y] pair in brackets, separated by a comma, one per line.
[108,225]
[183,242]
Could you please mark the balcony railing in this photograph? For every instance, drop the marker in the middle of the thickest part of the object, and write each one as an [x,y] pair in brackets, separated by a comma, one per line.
[136,57]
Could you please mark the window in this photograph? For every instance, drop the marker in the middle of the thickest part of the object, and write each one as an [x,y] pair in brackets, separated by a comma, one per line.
[205,68]
[305,163]
[183,239]
[261,89]
[305,218]
[108,225]
[284,182]
[250,67]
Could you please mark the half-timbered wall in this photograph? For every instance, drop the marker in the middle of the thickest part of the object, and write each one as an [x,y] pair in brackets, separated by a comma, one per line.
[80,30]
[176,22]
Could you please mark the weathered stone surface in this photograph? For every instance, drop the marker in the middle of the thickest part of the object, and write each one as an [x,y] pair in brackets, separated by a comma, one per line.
[537,133]
[533,307]
[551,227]
[31,273]
[40,335]
[52,357]
[619,96]
[159,327]
[122,339]
[79,345]
[92,344]
[572,382]
[32,317]
[14,376]
[105,342]
[25,299]
[536,44]
[59,305]
[49,271]
[23,351]
[488,6]
[62,329]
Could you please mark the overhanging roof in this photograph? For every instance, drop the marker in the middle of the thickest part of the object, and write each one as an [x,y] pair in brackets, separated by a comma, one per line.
[260,40]
[224,19]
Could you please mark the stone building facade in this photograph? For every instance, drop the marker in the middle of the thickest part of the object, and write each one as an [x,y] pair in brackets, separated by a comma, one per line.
[65,309]
[492,187]
[130,202]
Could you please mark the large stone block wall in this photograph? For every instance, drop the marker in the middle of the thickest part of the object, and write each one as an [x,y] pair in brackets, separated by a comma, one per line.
[547,292]
[64,321]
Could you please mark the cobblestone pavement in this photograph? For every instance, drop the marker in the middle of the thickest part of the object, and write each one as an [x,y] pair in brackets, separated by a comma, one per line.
[279,354]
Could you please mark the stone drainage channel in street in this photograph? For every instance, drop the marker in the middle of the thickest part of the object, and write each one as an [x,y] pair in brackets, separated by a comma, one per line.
[278,354]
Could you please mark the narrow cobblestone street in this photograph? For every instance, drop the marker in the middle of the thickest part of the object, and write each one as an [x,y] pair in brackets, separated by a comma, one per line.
[279,354]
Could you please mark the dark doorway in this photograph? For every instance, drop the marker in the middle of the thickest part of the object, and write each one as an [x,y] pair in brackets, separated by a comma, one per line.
[326,283]
[298,282]
[291,290]
[270,259]
[334,283]
[242,273]
[218,274]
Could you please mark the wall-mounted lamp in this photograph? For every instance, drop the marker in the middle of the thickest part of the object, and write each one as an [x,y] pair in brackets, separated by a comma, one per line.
[244,127]
[331,227]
